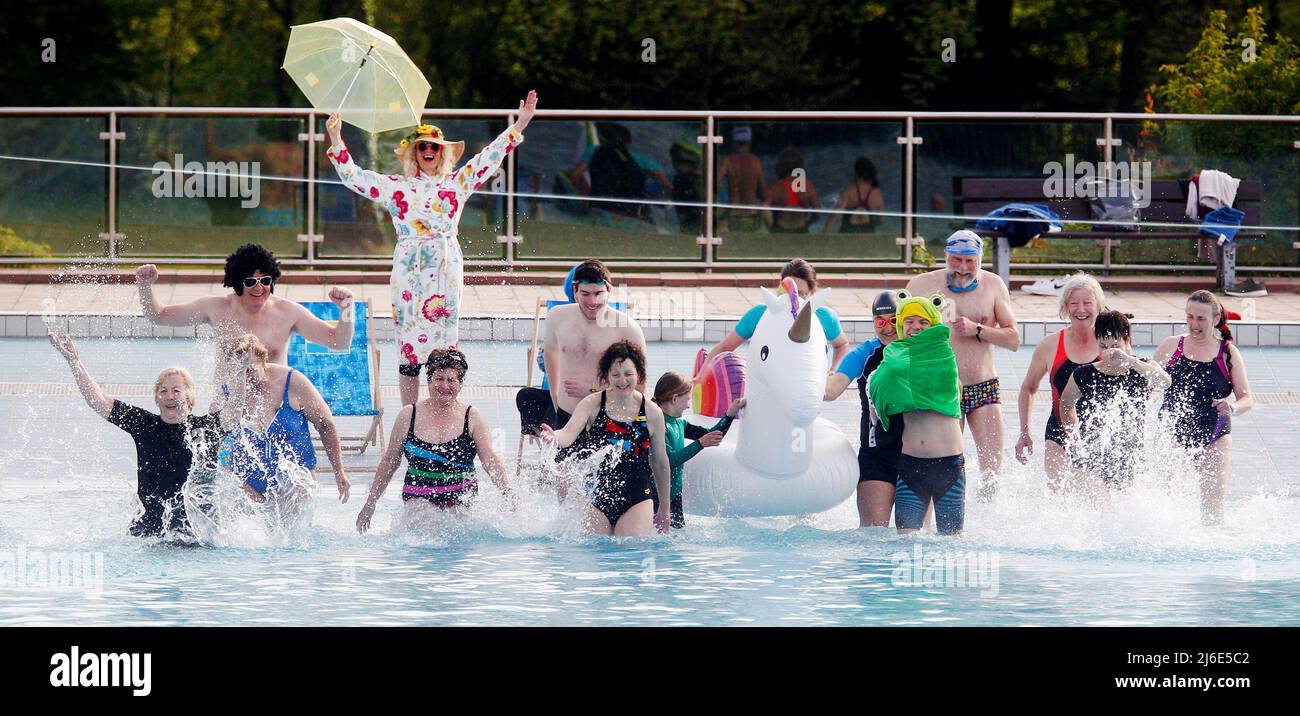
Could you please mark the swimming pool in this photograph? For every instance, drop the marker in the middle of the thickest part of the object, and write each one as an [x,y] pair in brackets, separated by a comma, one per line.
[1029,558]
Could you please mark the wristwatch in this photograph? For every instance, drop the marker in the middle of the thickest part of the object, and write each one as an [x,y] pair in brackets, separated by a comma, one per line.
[978,327]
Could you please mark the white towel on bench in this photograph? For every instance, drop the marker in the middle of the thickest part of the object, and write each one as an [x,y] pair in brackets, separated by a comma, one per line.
[1212,189]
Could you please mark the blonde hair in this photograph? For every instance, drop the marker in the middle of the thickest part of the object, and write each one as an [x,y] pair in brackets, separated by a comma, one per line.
[187,383]
[1076,282]
[410,167]
[251,344]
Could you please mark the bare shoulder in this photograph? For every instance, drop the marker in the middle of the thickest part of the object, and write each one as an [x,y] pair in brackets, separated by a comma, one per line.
[652,409]
[988,278]
[926,283]
[1167,345]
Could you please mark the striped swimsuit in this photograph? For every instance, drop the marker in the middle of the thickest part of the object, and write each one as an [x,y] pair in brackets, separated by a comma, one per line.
[442,473]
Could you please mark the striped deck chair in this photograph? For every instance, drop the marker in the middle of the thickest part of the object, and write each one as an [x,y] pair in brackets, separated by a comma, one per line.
[348,381]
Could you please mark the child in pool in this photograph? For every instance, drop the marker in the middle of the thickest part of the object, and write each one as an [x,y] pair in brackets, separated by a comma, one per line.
[673,396]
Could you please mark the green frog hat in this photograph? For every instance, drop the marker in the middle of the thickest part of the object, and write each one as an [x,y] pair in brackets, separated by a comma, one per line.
[908,305]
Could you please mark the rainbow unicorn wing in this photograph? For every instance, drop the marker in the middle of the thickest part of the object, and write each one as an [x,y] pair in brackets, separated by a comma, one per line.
[722,382]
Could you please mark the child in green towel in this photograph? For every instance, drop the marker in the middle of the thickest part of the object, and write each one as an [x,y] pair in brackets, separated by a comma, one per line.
[673,396]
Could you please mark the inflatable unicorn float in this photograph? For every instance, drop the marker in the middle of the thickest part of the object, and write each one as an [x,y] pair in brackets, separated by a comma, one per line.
[780,458]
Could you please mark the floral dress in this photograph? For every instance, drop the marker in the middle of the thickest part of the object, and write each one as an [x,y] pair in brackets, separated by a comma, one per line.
[427,262]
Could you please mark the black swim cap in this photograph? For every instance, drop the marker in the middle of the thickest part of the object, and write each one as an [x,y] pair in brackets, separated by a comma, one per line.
[885,304]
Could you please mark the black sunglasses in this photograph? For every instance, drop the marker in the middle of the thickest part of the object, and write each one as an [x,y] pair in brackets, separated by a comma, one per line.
[252,281]
[421,146]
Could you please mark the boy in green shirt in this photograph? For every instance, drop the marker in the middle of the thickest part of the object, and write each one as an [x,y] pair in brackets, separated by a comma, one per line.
[673,396]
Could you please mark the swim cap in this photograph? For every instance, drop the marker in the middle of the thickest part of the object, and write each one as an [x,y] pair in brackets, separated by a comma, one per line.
[568,284]
[886,304]
[909,305]
[965,243]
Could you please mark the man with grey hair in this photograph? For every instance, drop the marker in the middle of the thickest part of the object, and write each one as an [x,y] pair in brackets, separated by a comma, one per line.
[981,318]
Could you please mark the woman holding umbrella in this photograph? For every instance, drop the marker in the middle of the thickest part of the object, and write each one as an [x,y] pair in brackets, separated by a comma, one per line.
[425,204]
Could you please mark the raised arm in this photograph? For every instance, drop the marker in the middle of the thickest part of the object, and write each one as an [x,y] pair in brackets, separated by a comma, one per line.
[388,464]
[481,432]
[372,185]
[848,370]
[319,415]
[731,342]
[1157,379]
[582,413]
[181,314]
[483,165]
[659,465]
[337,336]
[95,396]
[1039,364]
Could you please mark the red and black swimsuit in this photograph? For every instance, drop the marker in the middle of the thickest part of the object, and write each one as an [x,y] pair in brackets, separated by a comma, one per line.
[1062,369]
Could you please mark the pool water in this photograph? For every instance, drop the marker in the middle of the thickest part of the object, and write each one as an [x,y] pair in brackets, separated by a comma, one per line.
[67,485]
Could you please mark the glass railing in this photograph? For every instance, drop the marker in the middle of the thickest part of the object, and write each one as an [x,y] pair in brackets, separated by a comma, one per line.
[190,186]
[816,189]
[639,189]
[53,188]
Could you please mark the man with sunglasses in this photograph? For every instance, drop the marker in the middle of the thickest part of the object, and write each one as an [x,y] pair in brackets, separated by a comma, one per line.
[252,272]
[879,449]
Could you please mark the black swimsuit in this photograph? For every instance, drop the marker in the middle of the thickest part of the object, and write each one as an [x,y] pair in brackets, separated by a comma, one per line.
[1109,450]
[442,473]
[1196,385]
[625,479]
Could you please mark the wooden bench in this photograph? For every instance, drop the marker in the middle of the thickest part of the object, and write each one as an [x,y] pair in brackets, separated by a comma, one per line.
[977,196]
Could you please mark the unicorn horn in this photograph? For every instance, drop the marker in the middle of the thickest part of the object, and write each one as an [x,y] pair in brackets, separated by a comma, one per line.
[802,328]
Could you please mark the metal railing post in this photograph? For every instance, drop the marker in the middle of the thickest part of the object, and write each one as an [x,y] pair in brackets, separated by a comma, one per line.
[1108,143]
[909,141]
[311,238]
[709,139]
[112,136]
[510,239]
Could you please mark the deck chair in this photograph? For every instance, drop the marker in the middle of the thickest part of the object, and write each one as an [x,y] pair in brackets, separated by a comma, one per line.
[348,381]
[548,304]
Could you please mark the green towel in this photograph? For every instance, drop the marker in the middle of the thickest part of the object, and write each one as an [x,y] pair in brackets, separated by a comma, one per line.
[917,373]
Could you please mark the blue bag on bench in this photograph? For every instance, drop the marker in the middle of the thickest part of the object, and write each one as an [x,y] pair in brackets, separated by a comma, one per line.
[1229,220]
[1020,233]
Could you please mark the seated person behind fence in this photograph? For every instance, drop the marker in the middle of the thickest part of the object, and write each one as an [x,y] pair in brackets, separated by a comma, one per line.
[688,184]
[251,271]
[166,442]
[267,413]
[440,472]
[577,335]
[631,477]
[805,281]
[793,191]
[1104,405]
[740,182]
[618,172]
[860,197]
[673,396]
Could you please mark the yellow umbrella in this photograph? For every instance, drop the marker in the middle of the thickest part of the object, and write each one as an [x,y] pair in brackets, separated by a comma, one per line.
[347,66]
